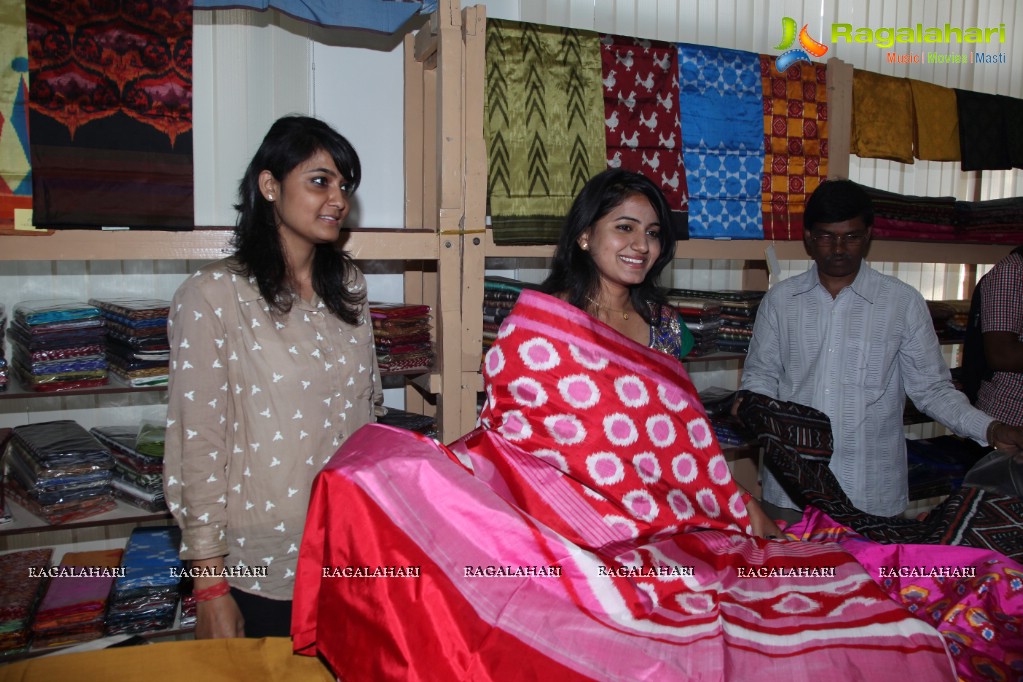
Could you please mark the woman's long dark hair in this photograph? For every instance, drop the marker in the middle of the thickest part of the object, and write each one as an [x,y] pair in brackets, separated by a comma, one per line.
[290,141]
[573,271]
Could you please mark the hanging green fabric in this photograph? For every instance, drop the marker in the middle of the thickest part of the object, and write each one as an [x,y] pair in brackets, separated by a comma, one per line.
[544,126]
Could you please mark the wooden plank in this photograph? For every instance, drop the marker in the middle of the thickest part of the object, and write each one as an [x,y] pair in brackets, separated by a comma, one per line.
[840,99]
[413,121]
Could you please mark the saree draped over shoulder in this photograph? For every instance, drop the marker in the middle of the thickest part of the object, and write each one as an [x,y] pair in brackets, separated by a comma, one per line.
[588,529]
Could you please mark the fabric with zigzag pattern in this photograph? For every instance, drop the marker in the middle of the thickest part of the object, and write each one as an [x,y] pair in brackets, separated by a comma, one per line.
[543,125]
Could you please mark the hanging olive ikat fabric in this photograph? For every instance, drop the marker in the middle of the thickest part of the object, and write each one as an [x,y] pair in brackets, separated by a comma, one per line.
[110,113]
[543,125]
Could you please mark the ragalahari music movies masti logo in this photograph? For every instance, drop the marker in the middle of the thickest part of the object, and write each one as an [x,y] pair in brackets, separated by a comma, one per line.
[807,46]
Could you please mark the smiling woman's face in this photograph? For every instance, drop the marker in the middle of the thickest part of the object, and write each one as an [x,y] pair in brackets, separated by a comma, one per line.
[312,201]
[624,243]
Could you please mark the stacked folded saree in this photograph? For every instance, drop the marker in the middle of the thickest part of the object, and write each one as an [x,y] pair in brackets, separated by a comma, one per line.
[20,590]
[137,349]
[402,336]
[597,499]
[58,345]
[146,596]
[137,475]
[75,604]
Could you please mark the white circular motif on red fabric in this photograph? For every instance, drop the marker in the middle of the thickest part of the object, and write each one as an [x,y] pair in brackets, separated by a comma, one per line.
[627,527]
[579,391]
[672,397]
[505,330]
[494,362]
[736,505]
[587,358]
[708,503]
[632,391]
[680,504]
[514,426]
[696,603]
[528,392]
[647,466]
[565,429]
[620,429]
[539,354]
[794,603]
[661,430]
[641,504]
[605,468]
[700,433]
[552,457]
[630,559]
[685,468]
[718,469]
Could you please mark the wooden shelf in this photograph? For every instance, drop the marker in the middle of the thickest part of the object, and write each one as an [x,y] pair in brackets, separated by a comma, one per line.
[27,522]
[207,243]
[15,391]
[753,249]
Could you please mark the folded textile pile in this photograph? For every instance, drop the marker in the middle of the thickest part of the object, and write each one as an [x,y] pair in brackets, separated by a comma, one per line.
[3,358]
[703,318]
[410,421]
[898,216]
[75,603]
[145,598]
[937,465]
[499,296]
[999,221]
[58,471]
[137,350]
[738,313]
[20,589]
[402,336]
[949,318]
[138,463]
[728,429]
[58,345]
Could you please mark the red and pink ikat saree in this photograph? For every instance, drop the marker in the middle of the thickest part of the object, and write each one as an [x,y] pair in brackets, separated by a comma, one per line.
[595,458]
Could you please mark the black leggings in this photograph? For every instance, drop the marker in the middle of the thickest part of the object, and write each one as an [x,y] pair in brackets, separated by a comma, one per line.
[263,617]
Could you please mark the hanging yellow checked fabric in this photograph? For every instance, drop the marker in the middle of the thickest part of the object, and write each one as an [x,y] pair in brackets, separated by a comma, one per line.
[544,126]
[15,169]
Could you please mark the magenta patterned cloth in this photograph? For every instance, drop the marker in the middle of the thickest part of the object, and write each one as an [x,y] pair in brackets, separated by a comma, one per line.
[974,597]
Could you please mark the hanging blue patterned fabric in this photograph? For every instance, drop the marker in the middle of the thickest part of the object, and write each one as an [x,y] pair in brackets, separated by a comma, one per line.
[721,101]
[384,16]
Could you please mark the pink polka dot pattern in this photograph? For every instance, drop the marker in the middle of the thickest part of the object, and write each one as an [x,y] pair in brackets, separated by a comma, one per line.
[636,445]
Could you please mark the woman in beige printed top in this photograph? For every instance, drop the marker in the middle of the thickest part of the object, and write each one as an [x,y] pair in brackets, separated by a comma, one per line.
[273,367]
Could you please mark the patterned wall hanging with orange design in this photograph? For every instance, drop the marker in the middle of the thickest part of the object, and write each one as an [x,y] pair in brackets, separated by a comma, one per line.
[110,113]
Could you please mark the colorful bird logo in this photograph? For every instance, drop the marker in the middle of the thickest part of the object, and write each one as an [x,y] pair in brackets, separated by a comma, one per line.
[807,46]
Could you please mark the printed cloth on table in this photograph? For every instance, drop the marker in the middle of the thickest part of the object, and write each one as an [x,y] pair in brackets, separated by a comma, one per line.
[983,131]
[973,596]
[795,143]
[722,101]
[77,599]
[594,458]
[882,121]
[935,122]
[111,124]
[641,116]
[543,126]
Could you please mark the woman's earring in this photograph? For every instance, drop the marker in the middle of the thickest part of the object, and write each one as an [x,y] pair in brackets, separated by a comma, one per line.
[585,246]
[269,197]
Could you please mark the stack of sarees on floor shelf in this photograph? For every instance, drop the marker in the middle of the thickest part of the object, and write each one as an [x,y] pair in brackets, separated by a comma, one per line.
[499,296]
[137,348]
[949,318]
[728,429]
[3,358]
[138,463]
[58,471]
[21,585]
[75,603]
[904,217]
[410,421]
[402,336]
[703,318]
[145,597]
[998,221]
[738,313]
[58,345]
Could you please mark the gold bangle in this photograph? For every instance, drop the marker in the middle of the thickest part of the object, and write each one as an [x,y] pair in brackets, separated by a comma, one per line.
[992,427]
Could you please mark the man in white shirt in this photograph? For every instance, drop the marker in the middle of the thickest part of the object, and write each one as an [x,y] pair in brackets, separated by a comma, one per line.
[846,340]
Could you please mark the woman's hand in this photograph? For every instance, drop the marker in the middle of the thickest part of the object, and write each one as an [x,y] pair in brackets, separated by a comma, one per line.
[219,618]
[762,524]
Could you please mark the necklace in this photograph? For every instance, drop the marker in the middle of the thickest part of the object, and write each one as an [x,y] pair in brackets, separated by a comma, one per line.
[623,313]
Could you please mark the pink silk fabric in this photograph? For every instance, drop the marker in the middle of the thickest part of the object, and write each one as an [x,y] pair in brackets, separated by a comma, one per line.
[593,456]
